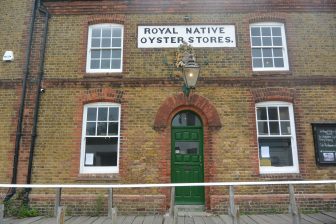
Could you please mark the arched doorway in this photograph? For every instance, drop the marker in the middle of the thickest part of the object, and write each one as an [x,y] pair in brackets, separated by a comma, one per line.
[187,160]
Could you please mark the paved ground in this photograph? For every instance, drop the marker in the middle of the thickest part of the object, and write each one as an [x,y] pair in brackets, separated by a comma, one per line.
[317,218]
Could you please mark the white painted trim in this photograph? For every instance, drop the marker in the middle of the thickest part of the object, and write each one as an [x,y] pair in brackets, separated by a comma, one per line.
[108,186]
[88,51]
[284,47]
[98,169]
[284,169]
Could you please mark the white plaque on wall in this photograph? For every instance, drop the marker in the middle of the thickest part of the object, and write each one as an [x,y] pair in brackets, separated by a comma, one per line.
[196,35]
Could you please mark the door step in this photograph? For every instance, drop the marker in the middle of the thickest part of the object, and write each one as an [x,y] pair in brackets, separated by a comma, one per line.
[190,210]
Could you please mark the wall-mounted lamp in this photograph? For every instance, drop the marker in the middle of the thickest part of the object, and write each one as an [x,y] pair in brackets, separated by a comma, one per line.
[186,61]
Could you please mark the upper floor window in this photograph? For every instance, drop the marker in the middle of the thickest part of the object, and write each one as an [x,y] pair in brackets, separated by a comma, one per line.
[104,52]
[269,48]
[100,138]
[276,138]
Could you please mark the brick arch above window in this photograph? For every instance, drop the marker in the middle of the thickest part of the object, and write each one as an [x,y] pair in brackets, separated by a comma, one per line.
[199,103]
[113,18]
[274,17]
[273,94]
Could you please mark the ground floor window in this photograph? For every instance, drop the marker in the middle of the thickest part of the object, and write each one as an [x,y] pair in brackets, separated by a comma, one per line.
[276,138]
[100,138]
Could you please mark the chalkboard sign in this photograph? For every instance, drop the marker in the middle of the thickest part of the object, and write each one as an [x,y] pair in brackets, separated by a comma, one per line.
[325,143]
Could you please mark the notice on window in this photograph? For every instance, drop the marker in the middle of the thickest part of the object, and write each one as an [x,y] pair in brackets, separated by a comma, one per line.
[265,153]
[89,159]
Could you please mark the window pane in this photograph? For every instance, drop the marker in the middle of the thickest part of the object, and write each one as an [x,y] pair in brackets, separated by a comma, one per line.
[277,52]
[280,151]
[284,114]
[113,128]
[106,53]
[90,128]
[262,128]
[256,41]
[95,54]
[261,113]
[267,41]
[274,128]
[102,114]
[116,42]
[267,52]
[255,31]
[106,64]
[276,31]
[102,128]
[104,150]
[266,31]
[268,62]
[96,32]
[277,41]
[116,64]
[116,54]
[256,52]
[106,32]
[285,128]
[278,62]
[187,148]
[106,42]
[116,32]
[273,113]
[257,62]
[113,114]
[95,64]
[91,114]
[186,119]
[95,42]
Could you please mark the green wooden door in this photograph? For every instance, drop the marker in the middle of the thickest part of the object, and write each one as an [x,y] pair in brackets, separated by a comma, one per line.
[187,163]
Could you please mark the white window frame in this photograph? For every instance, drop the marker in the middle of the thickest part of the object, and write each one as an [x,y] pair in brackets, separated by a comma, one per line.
[283,169]
[89,48]
[98,169]
[284,46]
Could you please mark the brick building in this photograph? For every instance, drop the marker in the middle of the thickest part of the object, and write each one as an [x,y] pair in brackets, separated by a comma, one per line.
[93,96]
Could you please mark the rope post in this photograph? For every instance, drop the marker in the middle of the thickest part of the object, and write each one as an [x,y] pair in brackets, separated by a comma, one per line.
[114,215]
[233,210]
[57,200]
[293,209]
[110,202]
[60,215]
[2,211]
[172,201]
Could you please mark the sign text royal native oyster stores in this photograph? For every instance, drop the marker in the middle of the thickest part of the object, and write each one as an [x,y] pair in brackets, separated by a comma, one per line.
[196,35]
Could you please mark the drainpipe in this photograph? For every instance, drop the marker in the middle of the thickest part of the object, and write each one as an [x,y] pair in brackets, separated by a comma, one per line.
[39,90]
[12,191]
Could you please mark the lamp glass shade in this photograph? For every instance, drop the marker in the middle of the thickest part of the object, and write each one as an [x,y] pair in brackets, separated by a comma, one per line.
[190,75]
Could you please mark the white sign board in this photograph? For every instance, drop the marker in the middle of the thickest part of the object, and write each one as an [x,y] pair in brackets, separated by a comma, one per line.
[196,35]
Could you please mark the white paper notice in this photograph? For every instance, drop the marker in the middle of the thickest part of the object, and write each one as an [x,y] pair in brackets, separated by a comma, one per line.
[265,152]
[89,158]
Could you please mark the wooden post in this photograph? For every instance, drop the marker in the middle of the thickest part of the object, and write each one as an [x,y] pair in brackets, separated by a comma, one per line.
[233,210]
[2,211]
[110,202]
[113,215]
[175,214]
[57,200]
[172,201]
[60,215]
[293,209]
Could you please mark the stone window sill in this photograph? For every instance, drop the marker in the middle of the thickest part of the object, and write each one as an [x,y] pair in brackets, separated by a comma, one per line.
[99,177]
